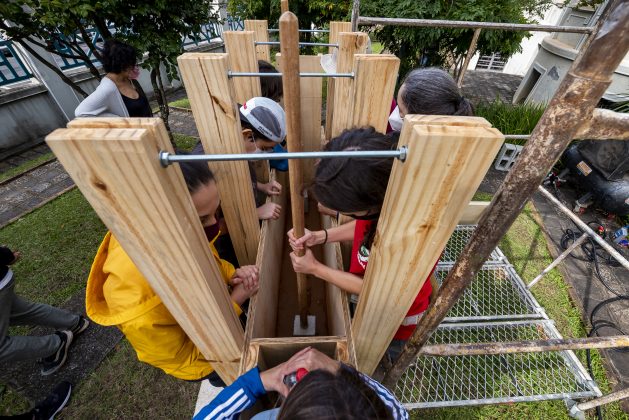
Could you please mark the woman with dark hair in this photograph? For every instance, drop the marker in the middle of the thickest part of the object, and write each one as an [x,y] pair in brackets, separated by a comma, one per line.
[118,294]
[355,187]
[429,91]
[324,389]
[119,94]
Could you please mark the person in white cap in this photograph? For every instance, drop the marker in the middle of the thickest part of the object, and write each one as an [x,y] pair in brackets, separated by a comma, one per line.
[263,123]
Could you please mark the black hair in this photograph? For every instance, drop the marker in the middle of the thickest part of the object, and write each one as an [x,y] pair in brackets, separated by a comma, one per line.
[324,395]
[271,87]
[118,56]
[432,91]
[357,184]
[195,173]
[246,125]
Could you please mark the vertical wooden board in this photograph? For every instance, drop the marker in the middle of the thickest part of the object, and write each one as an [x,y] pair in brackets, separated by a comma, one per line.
[263,306]
[242,57]
[425,199]
[350,43]
[218,122]
[374,85]
[473,212]
[151,214]
[335,29]
[261,30]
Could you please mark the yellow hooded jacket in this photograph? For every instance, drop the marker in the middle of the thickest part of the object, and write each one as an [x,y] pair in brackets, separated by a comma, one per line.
[118,294]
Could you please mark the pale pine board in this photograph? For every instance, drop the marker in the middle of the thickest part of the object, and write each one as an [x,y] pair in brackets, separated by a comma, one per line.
[242,57]
[261,29]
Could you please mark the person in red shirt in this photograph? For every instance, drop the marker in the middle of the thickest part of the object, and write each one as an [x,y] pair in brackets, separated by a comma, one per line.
[355,187]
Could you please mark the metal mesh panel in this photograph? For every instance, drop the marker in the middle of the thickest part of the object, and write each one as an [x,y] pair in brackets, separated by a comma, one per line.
[495,293]
[460,237]
[470,380]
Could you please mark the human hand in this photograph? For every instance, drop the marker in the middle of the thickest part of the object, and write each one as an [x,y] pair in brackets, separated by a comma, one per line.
[240,294]
[306,264]
[309,239]
[311,359]
[269,211]
[273,379]
[247,275]
[271,188]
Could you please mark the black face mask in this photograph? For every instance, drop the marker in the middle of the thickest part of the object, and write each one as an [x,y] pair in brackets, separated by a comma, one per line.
[374,216]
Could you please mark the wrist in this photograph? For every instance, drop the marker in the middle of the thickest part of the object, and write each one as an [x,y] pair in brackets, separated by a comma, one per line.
[321,237]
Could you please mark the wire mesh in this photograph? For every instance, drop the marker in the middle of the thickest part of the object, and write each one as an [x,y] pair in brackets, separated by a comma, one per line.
[471,380]
[495,293]
[460,237]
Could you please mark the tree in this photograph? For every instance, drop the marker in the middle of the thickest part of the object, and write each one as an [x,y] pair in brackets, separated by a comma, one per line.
[447,47]
[154,27]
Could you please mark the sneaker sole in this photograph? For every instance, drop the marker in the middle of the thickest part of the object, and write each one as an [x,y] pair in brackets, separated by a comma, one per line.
[65,356]
[63,405]
[83,328]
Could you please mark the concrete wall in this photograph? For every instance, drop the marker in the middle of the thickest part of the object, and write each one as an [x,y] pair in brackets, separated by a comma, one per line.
[29,112]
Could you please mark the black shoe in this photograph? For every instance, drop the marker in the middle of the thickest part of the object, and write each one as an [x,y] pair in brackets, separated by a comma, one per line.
[54,403]
[81,326]
[53,363]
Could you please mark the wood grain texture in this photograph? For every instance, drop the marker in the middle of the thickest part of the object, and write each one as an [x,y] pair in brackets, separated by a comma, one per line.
[335,29]
[426,197]
[242,57]
[350,43]
[284,6]
[374,85]
[261,30]
[218,122]
[151,214]
[289,39]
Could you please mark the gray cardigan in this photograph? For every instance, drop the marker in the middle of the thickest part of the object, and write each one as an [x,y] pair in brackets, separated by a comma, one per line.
[105,101]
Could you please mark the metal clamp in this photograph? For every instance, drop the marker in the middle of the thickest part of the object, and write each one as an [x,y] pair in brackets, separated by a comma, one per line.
[166,158]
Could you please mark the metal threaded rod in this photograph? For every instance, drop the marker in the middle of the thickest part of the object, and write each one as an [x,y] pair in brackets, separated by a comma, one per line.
[254,74]
[301,44]
[167,158]
[323,31]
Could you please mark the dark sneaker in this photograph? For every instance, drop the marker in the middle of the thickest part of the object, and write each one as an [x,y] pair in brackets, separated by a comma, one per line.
[81,326]
[54,403]
[53,363]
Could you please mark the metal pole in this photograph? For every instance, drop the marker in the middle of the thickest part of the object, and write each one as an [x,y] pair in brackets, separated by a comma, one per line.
[372,21]
[527,346]
[573,103]
[470,53]
[559,259]
[606,399]
[355,15]
[585,228]
[167,158]
[323,31]
[301,44]
[254,74]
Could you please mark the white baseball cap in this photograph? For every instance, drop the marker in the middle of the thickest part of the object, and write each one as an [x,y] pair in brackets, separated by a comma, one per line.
[266,116]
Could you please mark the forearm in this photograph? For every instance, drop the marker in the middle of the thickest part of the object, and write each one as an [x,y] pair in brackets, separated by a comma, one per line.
[336,234]
[349,282]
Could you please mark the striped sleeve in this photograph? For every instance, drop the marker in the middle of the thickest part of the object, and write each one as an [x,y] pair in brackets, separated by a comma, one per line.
[234,399]
[397,410]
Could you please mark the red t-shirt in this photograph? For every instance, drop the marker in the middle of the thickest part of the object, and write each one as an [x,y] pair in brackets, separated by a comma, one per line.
[358,265]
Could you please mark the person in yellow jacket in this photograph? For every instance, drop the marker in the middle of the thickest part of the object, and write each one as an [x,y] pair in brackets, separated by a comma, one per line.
[118,294]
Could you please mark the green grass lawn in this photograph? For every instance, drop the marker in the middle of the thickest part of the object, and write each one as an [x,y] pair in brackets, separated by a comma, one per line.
[59,240]
[20,169]
[181,103]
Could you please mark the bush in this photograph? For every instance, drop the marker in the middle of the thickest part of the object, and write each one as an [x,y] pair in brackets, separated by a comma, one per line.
[510,118]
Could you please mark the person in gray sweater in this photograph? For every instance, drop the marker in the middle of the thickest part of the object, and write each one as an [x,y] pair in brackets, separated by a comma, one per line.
[119,93]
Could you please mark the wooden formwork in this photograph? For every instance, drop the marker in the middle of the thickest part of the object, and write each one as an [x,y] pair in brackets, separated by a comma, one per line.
[114,163]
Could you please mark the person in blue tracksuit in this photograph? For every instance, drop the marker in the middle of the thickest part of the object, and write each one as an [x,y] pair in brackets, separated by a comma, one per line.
[330,389]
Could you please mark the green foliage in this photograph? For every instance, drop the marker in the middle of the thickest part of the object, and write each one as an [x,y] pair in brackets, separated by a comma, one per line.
[316,12]
[510,118]
[445,47]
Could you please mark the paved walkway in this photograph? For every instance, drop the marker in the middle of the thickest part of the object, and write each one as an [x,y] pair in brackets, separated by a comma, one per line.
[486,86]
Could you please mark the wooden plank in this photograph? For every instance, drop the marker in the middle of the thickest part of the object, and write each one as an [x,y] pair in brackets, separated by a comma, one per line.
[335,29]
[151,214]
[218,122]
[350,43]
[473,212]
[261,33]
[242,57]
[263,306]
[284,6]
[374,85]
[420,211]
